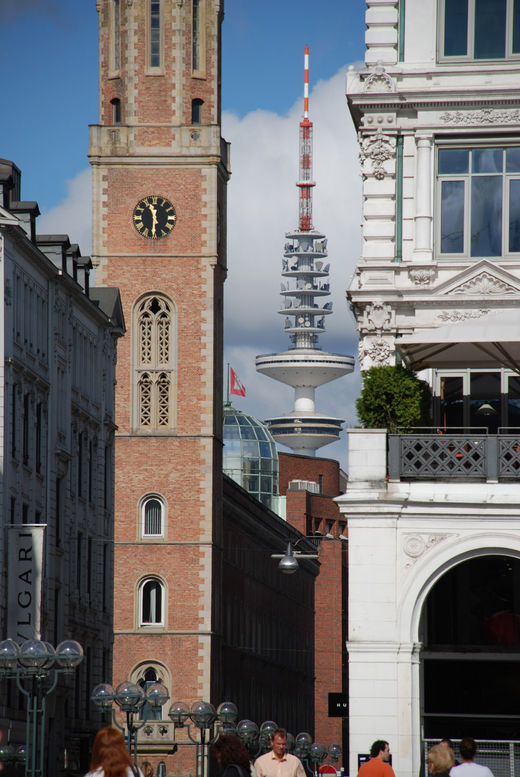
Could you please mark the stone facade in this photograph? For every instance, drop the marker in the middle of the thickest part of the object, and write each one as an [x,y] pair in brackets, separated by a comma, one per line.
[437,288]
[58,356]
[159,138]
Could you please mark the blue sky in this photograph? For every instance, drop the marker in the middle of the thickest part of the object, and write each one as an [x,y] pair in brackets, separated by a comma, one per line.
[48,59]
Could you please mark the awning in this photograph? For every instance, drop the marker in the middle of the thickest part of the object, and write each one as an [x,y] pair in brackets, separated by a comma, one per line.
[492,340]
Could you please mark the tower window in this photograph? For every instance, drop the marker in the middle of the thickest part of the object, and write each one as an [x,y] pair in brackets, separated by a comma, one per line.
[116,35]
[155,361]
[196,111]
[155,33]
[197,40]
[151,603]
[152,518]
[116,110]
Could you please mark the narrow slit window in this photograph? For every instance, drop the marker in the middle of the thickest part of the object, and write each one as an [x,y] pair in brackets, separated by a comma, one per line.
[155,33]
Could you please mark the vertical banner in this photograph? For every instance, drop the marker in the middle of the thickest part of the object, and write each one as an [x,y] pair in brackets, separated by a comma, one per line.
[24,580]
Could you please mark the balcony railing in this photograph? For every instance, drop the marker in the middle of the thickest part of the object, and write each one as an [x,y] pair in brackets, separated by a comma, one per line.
[461,454]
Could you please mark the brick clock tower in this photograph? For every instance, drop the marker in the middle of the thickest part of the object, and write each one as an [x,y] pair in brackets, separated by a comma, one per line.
[160,169]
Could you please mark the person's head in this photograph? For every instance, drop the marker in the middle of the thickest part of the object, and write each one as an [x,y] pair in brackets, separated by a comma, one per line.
[468,748]
[440,759]
[109,751]
[147,769]
[380,749]
[446,743]
[278,742]
[229,749]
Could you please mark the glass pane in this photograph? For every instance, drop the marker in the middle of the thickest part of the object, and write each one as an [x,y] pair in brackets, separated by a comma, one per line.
[490,29]
[487,160]
[452,217]
[516,27]
[453,160]
[153,517]
[514,215]
[512,160]
[452,402]
[485,404]
[513,402]
[456,28]
[486,216]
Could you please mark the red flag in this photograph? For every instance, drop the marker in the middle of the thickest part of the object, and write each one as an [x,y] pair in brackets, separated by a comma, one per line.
[236,386]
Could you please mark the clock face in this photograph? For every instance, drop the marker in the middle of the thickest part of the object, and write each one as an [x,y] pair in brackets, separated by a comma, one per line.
[154,217]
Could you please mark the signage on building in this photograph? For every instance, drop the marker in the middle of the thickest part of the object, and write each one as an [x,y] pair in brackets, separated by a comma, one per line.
[24,587]
[338,705]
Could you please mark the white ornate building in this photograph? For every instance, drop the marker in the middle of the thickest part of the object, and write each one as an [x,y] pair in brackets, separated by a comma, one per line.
[434,541]
[58,354]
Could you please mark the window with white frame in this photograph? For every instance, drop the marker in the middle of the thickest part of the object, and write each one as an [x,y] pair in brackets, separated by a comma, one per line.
[152,517]
[151,604]
[478,201]
[480,29]
[155,359]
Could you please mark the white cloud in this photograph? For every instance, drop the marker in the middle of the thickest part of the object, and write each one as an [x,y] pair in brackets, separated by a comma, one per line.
[72,216]
[262,207]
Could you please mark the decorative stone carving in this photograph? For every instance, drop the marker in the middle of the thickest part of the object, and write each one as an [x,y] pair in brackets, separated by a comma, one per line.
[422,276]
[485,283]
[379,80]
[484,116]
[378,315]
[414,545]
[461,315]
[375,353]
[378,148]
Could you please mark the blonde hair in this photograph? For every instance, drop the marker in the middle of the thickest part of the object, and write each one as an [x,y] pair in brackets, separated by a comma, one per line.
[441,758]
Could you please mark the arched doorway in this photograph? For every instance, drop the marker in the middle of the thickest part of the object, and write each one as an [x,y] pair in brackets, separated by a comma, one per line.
[470,631]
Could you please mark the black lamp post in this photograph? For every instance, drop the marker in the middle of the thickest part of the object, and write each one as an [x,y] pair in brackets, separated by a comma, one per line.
[36,666]
[210,722]
[130,698]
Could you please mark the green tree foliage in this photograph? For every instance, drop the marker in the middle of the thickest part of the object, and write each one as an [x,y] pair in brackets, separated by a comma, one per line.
[393,397]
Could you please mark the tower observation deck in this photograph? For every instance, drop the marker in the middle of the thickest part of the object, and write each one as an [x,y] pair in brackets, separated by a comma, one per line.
[305,366]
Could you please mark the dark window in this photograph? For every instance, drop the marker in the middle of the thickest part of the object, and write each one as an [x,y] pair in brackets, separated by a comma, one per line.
[89,566]
[13,422]
[80,464]
[479,192]
[25,433]
[38,462]
[196,111]
[79,560]
[151,593]
[13,509]
[155,33]
[25,513]
[149,711]
[58,510]
[116,110]
[116,51]
[196,35]
[90,469]
[478,29]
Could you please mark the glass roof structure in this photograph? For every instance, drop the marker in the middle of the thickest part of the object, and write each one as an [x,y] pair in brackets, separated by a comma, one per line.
[250,457]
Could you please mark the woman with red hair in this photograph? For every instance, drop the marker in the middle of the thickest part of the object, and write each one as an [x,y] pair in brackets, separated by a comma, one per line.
[110,757]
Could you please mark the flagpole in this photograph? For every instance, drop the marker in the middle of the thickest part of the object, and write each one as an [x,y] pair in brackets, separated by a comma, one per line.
[227,397]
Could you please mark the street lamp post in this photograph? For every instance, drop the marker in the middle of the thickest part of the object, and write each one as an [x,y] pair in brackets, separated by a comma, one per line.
[257,741]
[208,720]
[130,698]
[36,666]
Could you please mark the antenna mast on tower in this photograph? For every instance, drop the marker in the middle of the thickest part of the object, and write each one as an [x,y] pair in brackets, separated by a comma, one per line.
[305,366]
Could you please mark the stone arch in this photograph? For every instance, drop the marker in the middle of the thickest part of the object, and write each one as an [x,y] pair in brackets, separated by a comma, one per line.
[436,563]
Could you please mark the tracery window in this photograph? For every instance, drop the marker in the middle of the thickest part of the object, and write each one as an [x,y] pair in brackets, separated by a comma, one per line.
[155,357]
[154,33]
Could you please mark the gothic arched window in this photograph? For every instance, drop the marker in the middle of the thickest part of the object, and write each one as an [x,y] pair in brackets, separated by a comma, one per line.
[154,359]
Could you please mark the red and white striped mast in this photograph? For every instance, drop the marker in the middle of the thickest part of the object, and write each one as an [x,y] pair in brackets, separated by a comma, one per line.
[305,182]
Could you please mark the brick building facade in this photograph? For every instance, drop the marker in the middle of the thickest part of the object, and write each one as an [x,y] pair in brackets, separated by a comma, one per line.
[159,214]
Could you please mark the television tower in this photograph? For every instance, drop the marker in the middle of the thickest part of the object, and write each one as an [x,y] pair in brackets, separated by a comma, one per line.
[305,366]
